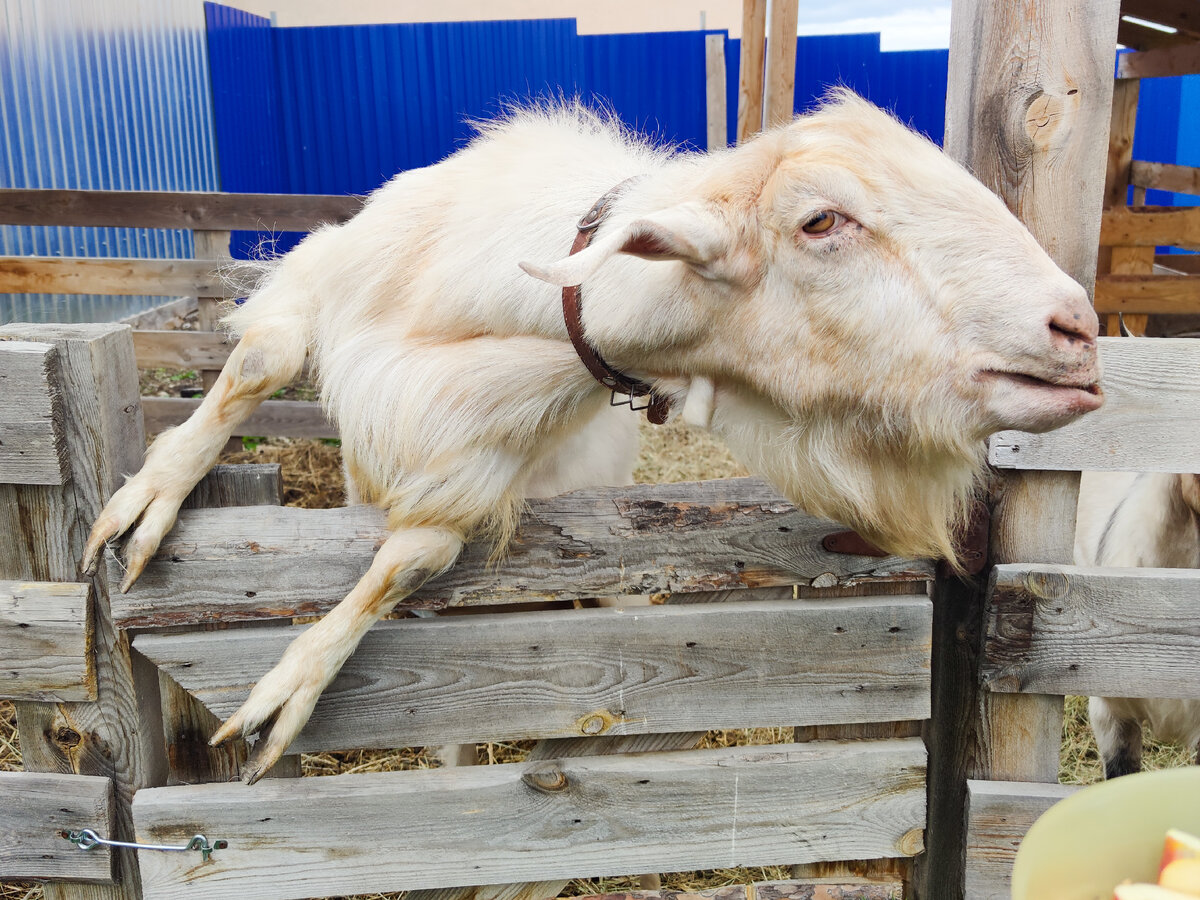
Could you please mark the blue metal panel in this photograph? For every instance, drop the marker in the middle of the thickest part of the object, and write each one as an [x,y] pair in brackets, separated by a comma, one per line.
[101,96]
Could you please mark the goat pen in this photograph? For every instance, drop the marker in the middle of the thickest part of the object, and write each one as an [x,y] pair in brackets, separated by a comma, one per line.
[118,693]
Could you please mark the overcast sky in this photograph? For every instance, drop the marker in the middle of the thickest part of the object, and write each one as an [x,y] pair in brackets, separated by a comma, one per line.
[915,25]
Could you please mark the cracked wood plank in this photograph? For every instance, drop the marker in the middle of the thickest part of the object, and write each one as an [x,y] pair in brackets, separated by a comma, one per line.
[218,565]
[32,444]
[46,633]
[539,820]
[1093,631]
[571,673]
[1147,424]
[35,807]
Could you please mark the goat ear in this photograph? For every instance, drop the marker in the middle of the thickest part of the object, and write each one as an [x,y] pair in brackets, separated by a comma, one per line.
[686,233]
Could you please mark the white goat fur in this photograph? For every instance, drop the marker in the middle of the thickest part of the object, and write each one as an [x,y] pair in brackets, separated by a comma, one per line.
[857,370]
[1139,520]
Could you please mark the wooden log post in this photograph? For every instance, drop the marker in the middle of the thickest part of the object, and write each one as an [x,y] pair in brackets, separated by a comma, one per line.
[1028,109]
[42,533]
[1117,179]
[780,90]
[750,69]
[714,91]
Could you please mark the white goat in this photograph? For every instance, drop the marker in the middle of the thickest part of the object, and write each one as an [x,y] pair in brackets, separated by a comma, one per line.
[850,309]
[1140,520]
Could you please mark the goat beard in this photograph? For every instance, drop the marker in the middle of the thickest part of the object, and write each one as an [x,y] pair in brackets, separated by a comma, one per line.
[908,493]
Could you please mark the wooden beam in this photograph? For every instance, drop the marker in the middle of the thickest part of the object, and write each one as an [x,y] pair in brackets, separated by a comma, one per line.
[79,275]
[1165,62]
[1151,226]
[998,815]
[1029,98]
[1147,423]
[750,69]
[244,484]
[1120,142]
[779,98]
[1093,631]
[716,104]
[540,820]
[32,446]
[1166,177]
[117,735]
[1180,14]
[558,674]
[181,349]
[35,808]
[175,209]
[1148,294]
[46,633]
[272,418]
[218,565]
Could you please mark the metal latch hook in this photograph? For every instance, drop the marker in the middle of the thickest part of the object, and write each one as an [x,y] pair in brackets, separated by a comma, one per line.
[87,839]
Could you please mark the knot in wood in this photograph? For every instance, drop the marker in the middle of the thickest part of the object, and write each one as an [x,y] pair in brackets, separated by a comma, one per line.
[595,723]
[67,737]
[547,778]
[1048,585]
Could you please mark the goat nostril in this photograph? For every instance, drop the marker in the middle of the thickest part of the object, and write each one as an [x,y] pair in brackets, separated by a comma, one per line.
[1073,328]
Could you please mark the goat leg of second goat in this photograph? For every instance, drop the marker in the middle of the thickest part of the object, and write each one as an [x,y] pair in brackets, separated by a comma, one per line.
[282,701]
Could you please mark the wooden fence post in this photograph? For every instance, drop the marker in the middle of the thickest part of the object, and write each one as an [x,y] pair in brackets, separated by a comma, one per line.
[780,92]
[42,533]
[1028,109]
[750,69]
[714,91]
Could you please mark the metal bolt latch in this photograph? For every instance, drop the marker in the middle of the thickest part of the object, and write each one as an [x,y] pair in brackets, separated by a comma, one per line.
[87,839]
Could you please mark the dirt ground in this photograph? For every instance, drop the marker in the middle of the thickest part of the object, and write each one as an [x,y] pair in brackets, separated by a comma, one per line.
[313,478]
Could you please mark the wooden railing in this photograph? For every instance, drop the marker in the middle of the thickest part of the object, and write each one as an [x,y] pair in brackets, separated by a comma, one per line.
[210,278]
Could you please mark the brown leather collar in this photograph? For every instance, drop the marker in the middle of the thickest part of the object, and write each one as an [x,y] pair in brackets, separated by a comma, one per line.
[658,406]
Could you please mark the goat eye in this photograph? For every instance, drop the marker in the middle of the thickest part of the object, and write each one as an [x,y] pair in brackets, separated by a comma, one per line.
[823,223]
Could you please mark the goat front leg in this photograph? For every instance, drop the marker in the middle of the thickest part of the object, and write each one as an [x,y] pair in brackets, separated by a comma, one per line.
[266,359]
[284,698]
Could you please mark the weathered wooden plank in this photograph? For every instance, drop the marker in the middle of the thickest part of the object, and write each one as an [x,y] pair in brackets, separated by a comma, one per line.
[1083,630]
[46,642]
[535,821]
[779,91]
[245,484]
[82,275]
[1122,125]
[116,735]
[1164,62]
[32,447]
[737,533]
[1166,177]
[175,209]
[35,808]
[1029,105]
[714,92]
[998,815]
[181,349]
[272,418]
[750,69]
[1147,424]
[760,890]
[1151,226]
[1147,293]
[588,672]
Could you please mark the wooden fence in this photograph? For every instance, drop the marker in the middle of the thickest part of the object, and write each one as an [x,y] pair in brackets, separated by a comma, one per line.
[211,277]
[1132,280]
[761,625]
